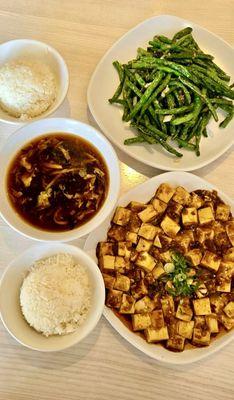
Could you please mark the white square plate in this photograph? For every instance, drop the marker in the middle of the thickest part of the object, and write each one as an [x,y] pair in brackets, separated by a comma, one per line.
[143,193]
[105,80]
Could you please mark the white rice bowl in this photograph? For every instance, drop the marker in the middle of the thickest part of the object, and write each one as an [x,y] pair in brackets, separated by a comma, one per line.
[27,88]
[55,296]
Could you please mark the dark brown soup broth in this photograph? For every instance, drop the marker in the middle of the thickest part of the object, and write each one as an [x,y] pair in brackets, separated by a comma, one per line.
[57,182]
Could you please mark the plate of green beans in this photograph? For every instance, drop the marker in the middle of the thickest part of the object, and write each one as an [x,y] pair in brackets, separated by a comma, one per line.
[164,94]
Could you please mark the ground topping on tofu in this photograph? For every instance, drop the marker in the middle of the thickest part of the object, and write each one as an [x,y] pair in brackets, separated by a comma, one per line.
[168,267]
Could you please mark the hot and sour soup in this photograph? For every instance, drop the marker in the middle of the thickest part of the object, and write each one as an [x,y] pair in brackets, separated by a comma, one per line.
[57,182]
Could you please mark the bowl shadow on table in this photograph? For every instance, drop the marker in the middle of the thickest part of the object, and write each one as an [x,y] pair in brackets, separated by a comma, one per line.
[63,111]
[150,171]
[15,243]
[57,360]
[151,362]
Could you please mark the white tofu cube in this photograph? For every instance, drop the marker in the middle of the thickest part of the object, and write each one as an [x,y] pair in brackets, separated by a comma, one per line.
[127,305]
[183,241]
[121,216]
[176,343]
[124,249]
[143,245]
[225,283]
[229,255]
[230,231]
[148,214]
[134,223]
[227,322]
[136,206]
[218,227]
[159,206]
[194,256]
[174,209]
[195,200]
[156,335]
[204,234]
[184,310]
[201,291]
[164,240]
[211,261]
[105,248]
[229,309]
[114,298]
[228,267]
[202,306]
[140,322]
[185,329]
[145,261]
[157,319]
[189,216]
[157,242]
[131,237]
[108,280]
[120,264]
[144,305]
[170,227]
[201,337]
[168,306]
[212,323]
[148,231]
[224,286]
[222,212]
[181,196]
[218,302]
[165,256]
[205,215]
[122,283]
[117,233]
[165,192]
[158,271]
[107,263]
[139,289]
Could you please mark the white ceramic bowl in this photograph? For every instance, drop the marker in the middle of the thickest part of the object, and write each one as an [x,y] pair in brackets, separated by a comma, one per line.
[46,127]
[10,310]
[38,51]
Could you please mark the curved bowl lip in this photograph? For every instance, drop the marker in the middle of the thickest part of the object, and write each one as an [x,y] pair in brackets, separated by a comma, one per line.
[67,236]
[48,112]
[101,290]
[113,140]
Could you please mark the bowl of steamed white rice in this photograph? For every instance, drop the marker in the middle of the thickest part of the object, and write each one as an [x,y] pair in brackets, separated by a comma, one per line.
[51,297]
[34,80]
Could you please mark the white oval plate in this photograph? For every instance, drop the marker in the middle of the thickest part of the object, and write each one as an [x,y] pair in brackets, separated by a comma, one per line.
[143,193]
[105,80]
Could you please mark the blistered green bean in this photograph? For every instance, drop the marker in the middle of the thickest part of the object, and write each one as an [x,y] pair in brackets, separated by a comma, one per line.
[171,90]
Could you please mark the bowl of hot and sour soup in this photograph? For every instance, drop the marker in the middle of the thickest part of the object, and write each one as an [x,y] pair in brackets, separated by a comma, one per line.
[60,179]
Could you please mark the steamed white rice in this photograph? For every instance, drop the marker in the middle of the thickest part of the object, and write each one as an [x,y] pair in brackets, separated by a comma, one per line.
[27,88]
[55,296]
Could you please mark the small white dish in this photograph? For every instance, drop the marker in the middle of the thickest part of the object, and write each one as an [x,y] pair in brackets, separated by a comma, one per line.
[10,310]
[143,193]
[36,51]
[46,127]
[105,80]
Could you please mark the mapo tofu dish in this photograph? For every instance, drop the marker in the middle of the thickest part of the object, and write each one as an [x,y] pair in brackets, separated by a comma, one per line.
[58,182]
[168,267]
